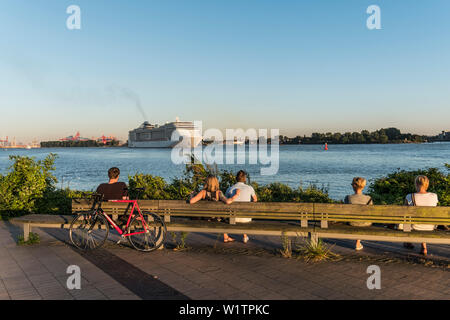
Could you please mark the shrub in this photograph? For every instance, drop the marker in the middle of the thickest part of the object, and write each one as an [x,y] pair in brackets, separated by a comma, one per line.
[58,201]
[27,183]
[154,187]
[179,189]
[286,243]
[314,251]
[279,192]
[33,239]
[313,194]
[227,179]
[195,174]
[274,192]
[393,188]
[29,187]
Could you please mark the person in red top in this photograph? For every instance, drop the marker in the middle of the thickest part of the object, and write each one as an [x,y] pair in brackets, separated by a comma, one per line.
[113,190]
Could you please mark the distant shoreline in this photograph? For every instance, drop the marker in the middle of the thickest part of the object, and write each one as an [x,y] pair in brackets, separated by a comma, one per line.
[281,144]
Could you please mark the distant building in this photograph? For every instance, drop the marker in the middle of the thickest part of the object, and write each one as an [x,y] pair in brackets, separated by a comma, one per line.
[444,136]
[74,138]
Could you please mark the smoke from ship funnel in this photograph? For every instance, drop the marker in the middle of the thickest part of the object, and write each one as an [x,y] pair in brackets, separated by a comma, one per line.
[135,97]
[130,95]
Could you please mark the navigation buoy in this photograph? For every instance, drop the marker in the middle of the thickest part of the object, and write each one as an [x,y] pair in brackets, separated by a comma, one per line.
[326,146]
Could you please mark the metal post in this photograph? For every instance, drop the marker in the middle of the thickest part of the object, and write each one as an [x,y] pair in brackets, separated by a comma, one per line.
[26,231]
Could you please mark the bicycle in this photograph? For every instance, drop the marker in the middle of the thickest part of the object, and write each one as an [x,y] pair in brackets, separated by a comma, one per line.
[145,231]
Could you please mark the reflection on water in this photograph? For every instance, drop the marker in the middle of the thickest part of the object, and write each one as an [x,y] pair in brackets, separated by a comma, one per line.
[85,168]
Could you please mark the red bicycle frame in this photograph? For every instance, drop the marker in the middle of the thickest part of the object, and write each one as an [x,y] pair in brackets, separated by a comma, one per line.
[135,206]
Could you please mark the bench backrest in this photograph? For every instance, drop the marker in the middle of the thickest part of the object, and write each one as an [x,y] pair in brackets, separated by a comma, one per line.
[282,211]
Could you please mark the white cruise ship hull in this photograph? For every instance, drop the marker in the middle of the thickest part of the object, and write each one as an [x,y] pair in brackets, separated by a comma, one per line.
[152,144]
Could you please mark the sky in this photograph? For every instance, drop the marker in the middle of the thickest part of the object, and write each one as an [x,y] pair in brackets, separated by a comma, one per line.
[299,66]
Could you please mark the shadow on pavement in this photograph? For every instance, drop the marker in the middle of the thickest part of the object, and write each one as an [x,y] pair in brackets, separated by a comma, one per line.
[134,279]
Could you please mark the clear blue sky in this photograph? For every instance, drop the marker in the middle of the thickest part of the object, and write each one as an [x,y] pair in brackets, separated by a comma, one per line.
[300,66]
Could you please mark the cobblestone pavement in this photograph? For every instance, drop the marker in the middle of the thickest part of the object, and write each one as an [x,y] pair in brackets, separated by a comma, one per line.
[210,269]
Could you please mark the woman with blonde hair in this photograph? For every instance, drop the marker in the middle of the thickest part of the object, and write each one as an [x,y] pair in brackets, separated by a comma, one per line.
[211,192]
[424,199]
[358,197]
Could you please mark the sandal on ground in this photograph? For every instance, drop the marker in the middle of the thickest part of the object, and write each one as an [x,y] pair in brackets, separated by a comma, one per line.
[360,247]
[408,245]
[245,239]
[228,240]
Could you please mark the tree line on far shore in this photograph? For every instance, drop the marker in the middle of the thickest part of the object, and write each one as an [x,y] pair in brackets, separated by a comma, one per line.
[78,144]
[388,135]
[381,136]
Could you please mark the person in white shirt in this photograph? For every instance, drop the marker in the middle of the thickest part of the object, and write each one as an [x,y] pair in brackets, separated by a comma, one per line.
[424,199]
[241,192]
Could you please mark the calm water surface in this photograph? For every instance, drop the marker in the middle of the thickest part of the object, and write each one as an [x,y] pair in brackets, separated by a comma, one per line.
[85,168]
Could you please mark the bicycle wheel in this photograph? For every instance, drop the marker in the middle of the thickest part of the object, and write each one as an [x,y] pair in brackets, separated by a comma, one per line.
[149,238]
[89,230]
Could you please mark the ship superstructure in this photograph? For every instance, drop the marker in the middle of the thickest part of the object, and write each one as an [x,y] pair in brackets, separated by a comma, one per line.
[169,135]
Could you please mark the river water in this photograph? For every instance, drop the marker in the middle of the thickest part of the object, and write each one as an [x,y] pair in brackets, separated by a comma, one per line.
[85,168]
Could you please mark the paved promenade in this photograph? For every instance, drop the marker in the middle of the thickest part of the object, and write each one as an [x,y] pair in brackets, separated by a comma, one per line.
[211,269]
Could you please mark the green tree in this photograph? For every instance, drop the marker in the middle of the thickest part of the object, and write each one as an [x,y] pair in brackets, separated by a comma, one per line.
[28,181]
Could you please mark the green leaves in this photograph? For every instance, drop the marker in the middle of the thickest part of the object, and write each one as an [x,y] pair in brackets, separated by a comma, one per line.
[29,186]
[26,184]
[154,187]
[279,192]
[393,188]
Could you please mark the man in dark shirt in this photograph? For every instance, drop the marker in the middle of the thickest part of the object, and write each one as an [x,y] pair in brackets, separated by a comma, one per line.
[113,190]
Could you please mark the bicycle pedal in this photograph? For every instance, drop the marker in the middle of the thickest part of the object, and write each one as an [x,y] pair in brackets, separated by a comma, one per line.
[120,240]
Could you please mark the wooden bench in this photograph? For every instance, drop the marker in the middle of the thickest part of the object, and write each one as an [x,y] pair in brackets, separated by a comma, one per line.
[276,218]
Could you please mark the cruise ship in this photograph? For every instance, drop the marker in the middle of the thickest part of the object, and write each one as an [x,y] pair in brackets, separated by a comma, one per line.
[155,136]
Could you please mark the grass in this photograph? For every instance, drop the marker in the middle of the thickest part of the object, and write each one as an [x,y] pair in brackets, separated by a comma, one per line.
[179,244]
[182,244]
[315,251]
[286,252]
[310,251]
[33,239]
